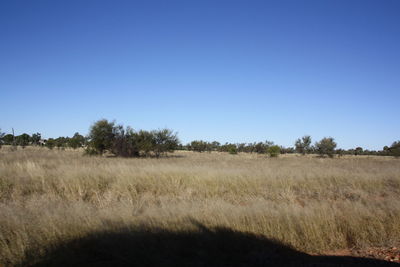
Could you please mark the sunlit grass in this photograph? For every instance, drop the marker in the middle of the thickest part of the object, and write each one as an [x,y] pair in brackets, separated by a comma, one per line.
[311,203]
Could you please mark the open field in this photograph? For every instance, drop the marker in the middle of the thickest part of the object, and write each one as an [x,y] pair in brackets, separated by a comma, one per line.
[311,204]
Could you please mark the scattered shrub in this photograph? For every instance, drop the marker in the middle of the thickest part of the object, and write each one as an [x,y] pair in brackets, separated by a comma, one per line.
[274,151]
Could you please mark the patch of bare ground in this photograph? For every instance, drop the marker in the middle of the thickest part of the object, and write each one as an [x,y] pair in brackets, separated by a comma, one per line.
[391,254]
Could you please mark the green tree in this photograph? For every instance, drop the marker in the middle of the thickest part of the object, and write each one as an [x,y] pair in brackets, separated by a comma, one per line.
[326,146]
[165,141]
[50,143]
[61,142]
[303,145]
[358,151]
[36,138]
[76,141]
[23,140]
[144,142]
[198,146]
[394,149]
[125,142]
[8,139]
[274,151]
[101,136]
[260,148]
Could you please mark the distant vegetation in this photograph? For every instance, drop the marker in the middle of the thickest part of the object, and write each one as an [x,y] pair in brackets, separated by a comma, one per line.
[105,136]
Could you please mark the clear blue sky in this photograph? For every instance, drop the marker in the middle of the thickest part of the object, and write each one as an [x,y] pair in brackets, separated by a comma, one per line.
[235,71]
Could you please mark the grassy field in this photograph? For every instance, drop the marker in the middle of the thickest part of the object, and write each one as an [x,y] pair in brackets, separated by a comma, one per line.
[311,204]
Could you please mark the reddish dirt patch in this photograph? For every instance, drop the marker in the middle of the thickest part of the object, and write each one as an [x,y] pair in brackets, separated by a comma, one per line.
[391,254]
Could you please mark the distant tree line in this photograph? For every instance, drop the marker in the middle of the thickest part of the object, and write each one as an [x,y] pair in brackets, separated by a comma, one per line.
[105,136]
[325,147]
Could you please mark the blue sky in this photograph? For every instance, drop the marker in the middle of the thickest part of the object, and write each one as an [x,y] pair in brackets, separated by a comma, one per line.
[235,71]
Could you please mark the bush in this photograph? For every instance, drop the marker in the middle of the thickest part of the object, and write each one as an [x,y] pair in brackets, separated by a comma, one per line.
[198,146]
[101,136]
[232,150]
[394,150]
[50,144]
[303,145]
[165,141]
[326,146]
[274,151]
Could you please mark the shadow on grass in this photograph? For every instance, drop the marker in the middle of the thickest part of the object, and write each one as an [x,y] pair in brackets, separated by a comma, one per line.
[203,247]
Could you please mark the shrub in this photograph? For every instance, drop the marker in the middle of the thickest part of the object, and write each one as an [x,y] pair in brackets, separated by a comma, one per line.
[394,150]
[76,141]
[198,146]
[50,144]
[326,146]
[274,151]
[165,141]
[303,145]
[232,150]
[101,136]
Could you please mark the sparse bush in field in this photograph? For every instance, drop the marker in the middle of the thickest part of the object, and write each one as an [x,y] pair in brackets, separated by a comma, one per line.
[76,141]
[303,145]
[101,135]
[214,146]
[165,141]
[51,143]
[274,151]
[326,146]
[36,138]
[198,146]
[260,148]
[394,150]
[340,152]
[8,139]
[124,143]
[23,140]
[144,141]
[232,149]
[61,142]
[358,151]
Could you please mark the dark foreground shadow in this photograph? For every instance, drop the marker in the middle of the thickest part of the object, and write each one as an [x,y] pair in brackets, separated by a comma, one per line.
[204,247]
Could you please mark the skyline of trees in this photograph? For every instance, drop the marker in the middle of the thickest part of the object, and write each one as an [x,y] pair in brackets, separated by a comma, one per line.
[134,143]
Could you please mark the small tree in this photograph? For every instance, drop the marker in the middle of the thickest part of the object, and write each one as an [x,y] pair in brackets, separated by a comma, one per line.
[101,136]
[76,141]
[326,146]
[358,151]
[23,140]
[125,142]
[36,138]
[260,148]
[144,141]
[394,150]
[51,143]
[274,151]
[198,146]
[165,140]
[232,149]
[8,139]
[303,145]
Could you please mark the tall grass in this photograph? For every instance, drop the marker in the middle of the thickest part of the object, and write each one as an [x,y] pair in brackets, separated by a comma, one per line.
[313,204]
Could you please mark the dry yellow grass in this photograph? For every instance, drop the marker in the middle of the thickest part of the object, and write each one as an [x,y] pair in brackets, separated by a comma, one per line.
[311,203]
